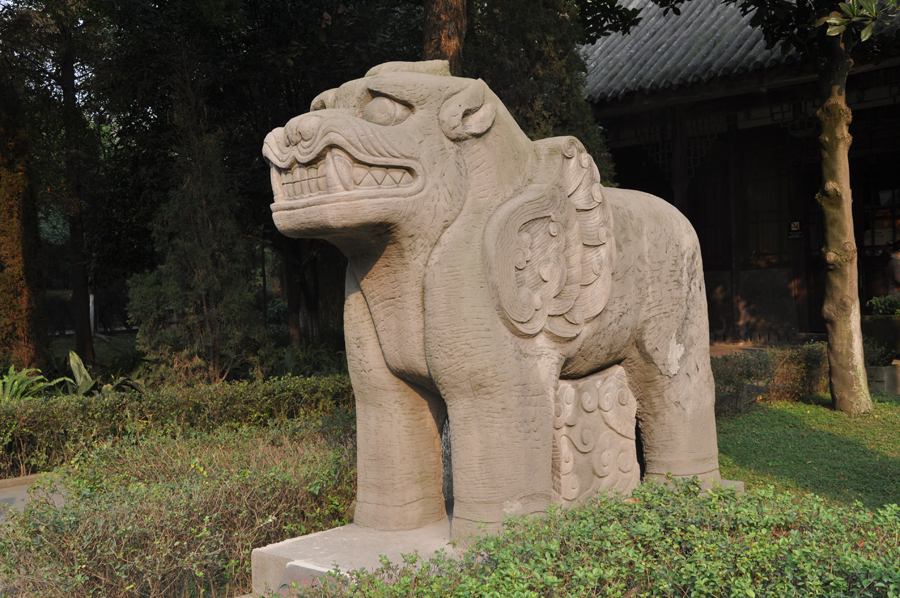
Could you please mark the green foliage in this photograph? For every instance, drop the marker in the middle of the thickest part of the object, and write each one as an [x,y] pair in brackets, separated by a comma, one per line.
[860,16]
[789,374]
[264,61]
[780,374]
[795,26]
[601,18]
[309,359]
[178,517]
[527,53]
[24,384]
[876,354]
[84,384]
[888,305]
[664,541]
[197,310]
[40,433]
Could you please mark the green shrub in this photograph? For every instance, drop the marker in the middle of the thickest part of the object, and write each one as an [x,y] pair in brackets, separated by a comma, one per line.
[178,517]
[196,312]
[876,354]
[888,305]
[662,542]
[782,374]
[39,433]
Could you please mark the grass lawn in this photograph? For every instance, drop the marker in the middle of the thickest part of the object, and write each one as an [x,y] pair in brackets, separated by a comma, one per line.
[809,448]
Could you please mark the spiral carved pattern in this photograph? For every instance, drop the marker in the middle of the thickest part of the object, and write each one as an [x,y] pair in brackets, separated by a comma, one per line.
[594,437]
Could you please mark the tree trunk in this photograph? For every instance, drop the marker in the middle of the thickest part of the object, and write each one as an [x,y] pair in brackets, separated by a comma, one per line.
[22,334]
[293,283]
[81,303]
[848,383]
[445,31]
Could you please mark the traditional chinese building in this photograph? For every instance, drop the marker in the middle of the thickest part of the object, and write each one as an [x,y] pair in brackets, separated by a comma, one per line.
[697,111]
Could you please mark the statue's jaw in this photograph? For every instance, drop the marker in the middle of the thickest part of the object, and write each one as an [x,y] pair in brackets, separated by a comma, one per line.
[334,175]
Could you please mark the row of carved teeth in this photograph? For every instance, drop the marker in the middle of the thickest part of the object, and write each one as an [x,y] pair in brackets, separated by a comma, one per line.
[338,172]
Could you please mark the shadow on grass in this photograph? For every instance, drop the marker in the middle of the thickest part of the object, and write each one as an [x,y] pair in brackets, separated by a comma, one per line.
[808,448]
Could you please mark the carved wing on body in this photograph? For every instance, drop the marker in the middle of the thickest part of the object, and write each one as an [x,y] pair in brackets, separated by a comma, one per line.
[550,251]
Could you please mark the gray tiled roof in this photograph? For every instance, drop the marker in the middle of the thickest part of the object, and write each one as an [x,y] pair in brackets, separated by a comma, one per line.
[709,41]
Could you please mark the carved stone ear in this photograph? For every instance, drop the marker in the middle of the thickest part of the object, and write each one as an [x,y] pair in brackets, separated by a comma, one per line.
[466,115]
[323,100]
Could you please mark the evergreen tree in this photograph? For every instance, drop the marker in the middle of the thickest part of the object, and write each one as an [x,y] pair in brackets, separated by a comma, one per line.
[196,311]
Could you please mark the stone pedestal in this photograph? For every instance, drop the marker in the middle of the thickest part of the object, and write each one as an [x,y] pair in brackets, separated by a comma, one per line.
[885,379]
[301,560]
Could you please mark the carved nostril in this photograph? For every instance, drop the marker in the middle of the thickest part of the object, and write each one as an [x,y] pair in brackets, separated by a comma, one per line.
[302,128]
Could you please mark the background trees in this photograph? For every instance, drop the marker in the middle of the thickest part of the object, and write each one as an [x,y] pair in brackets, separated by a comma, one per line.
[262,62]
[22,336]
[146,121]
[528,55]
[48,47]
[196,310]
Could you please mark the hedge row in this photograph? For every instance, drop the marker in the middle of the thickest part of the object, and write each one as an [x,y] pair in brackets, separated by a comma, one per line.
[39,433]
[661,542]
[777,374]
[173,517]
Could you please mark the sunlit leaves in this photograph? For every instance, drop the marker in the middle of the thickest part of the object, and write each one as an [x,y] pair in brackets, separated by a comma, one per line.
[859,17]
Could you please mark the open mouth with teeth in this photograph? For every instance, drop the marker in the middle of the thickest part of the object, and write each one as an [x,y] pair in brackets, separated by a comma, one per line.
[336,171]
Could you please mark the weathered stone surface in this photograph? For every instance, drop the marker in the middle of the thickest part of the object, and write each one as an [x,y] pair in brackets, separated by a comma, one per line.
[493,280]
[299,561]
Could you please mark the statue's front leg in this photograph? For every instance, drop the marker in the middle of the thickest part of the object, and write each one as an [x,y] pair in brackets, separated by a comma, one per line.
[501,421]
[398,425]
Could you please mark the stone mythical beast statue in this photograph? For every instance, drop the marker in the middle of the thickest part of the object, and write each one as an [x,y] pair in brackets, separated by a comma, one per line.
[492,279]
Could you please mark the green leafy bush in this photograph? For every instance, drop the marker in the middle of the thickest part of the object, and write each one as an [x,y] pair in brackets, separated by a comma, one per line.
[196,311]
[39,433]
[310,359]
[782,374]
[662,542]
[876,354]
[888,305]
[178,517]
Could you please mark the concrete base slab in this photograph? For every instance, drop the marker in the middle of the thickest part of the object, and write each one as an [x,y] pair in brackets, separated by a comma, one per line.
[301,560]
[885,379]
[737,485]
[14,494]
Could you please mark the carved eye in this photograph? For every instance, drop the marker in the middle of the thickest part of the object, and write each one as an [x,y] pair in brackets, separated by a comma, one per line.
[385,111]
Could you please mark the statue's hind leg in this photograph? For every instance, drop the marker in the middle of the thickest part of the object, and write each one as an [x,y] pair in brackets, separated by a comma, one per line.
[670,375]
[399,469]
[676,420]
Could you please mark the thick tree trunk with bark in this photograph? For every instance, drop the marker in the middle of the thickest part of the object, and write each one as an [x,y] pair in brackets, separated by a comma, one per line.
[84,340]
[299,293]
[848,383]
[22,334]
[445,32]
